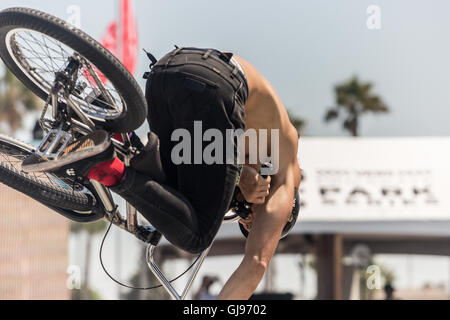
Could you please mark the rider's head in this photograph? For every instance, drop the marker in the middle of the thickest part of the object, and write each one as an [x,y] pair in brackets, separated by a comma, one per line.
[246,224]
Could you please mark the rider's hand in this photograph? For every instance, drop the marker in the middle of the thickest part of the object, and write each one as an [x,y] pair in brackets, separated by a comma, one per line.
[253,186]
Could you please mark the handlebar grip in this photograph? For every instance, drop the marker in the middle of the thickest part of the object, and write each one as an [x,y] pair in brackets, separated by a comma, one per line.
[244,208]
[265,165]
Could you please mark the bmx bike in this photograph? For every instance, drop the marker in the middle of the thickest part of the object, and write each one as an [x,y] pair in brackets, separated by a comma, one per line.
[84,88]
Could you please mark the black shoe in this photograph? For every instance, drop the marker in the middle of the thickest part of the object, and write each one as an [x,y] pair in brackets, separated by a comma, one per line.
[78,158]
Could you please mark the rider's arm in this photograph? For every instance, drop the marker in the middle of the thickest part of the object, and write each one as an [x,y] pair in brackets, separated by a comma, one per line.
[270,218]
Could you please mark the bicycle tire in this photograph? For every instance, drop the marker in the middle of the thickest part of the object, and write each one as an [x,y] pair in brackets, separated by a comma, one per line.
[128,88]
[41,189]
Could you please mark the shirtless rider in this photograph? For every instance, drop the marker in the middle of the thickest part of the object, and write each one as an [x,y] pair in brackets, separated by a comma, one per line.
[172,182]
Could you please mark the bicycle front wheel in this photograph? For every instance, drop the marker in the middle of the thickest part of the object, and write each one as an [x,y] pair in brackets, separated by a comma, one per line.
[36,46]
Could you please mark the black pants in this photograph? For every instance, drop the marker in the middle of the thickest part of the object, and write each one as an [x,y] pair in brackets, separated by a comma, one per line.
[187,202]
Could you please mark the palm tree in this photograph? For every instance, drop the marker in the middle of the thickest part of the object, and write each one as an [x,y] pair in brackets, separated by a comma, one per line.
[15,100]
[354,98]
[90,229]
[297,122]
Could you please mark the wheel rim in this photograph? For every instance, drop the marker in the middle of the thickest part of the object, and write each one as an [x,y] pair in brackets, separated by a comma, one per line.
[40,56]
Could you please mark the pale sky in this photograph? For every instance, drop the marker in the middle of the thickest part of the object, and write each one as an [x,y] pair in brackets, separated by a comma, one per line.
[303,48]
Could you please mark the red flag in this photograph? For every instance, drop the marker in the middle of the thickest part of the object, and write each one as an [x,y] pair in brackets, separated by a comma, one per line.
[128,39]
[121,37]
[109,40]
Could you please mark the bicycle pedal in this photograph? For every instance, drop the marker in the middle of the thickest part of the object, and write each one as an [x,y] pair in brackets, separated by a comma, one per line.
[53,144]
[50,148]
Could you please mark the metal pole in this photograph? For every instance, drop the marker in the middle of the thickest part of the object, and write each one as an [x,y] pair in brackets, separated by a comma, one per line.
[157,272]
[166,283]
[195,272]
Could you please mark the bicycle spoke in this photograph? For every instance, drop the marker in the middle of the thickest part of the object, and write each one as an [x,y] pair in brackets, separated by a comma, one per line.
[107,95]
[35,54]
[44,56]
[39,44]
[80,113]
[48,52]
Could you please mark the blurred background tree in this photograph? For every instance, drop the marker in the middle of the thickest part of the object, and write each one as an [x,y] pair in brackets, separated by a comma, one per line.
[15,101]
[354,98]
[144,278]
[90,230]
[298,122]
